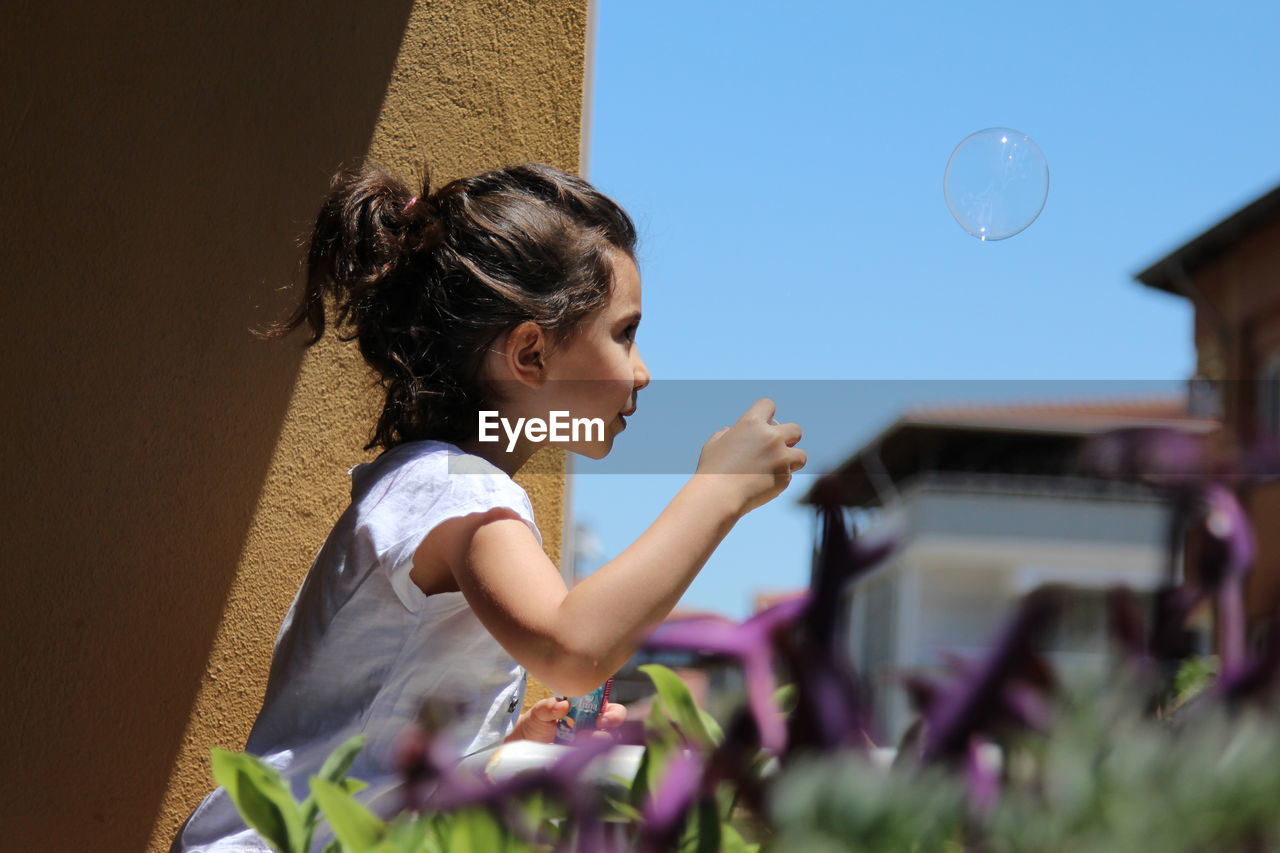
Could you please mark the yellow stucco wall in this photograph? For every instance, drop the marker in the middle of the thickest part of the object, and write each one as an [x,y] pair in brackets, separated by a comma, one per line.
[170,477]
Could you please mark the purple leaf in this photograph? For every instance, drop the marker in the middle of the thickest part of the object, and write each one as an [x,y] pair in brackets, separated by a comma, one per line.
[841,560]
[922,693]
[1170,641]
[1160,456]
[1227,544]
[1027,706]
[959,664]
[734,760]
[434,782]
[1224,548]
[752,643]
[667,807]
[830,712]
[1259,462]
[982,775]
[1124,619]
[976,701]
[1255,679]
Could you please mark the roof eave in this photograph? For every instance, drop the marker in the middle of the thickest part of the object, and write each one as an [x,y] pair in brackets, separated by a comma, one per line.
[1203,248]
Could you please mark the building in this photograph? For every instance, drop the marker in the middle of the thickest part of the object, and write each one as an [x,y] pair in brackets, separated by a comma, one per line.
[989,503]
[171,475]
[1231,275]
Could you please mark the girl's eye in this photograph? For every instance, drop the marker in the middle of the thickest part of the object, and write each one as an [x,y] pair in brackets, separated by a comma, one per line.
[630,332]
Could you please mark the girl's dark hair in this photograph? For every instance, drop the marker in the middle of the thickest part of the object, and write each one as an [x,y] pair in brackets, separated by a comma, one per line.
[429,282]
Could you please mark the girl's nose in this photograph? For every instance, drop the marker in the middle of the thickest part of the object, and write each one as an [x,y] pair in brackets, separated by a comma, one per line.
[642,372]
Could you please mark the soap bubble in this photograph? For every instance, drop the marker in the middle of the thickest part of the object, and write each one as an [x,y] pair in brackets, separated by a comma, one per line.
[996,183]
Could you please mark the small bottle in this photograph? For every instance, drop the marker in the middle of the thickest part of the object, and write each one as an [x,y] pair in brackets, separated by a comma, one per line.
[583,713]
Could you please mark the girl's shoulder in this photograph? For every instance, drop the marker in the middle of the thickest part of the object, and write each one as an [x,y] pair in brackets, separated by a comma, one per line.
[404,494]
[430,459]
[417,474]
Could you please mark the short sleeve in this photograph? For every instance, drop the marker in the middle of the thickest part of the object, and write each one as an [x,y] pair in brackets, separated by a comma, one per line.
[431,491]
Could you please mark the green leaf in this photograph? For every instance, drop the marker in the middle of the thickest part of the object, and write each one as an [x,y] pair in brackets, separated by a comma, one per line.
[475,831]
[661,740]
[1193,676]
[334,768]
[341,759]
[785,698]
[534,807]
[702,828]
[707,818]
[640,785]
[679,704]
[261,813]
[408,831]
[653,764]
[355,826]
[660,728]
[732,842]
[437,825]
[712,726]
[311,812]
[261,797]
[621,781]
[622,809]
[727,798]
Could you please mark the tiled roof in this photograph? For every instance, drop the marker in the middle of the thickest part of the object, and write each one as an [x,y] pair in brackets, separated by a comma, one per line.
[690,613]
[763,600]
[1151,407]
[1181,262]
[1061,414]
[1033,437]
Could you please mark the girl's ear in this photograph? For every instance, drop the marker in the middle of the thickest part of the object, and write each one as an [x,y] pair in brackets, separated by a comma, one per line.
[528,342]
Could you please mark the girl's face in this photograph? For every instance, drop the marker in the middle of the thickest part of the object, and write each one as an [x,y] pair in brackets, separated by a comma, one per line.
[598,372]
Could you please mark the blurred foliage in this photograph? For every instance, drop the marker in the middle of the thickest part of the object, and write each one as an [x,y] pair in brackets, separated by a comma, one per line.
[1105,777]
[1167,751]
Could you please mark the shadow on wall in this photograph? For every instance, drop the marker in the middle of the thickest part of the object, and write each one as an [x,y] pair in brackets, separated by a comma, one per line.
[161,162]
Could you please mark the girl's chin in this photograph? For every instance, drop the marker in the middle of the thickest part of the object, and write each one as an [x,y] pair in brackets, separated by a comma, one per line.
[596,449]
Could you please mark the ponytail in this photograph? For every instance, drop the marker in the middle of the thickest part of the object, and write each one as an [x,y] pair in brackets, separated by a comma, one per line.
[358,238]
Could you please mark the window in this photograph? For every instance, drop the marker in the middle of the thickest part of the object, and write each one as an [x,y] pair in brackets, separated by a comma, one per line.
[1081,627]
[1268,395]
[1204,399]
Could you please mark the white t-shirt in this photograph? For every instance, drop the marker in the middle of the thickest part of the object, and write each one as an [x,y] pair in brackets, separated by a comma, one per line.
[362,645]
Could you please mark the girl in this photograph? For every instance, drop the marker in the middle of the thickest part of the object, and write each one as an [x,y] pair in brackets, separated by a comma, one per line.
[515,291]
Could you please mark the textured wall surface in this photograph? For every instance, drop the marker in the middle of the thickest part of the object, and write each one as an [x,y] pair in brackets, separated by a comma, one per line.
[169,478]
[1240,285]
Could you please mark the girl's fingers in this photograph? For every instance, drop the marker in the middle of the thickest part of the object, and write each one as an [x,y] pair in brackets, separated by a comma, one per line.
[612,716]
[539,722]
[549,710]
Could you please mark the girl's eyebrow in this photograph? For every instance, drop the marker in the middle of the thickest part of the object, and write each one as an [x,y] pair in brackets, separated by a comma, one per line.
[633,317]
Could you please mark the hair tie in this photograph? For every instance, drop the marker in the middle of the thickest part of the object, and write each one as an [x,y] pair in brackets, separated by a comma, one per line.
[411,203]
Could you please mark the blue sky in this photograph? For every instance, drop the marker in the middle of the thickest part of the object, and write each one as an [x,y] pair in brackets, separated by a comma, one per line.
[784,165]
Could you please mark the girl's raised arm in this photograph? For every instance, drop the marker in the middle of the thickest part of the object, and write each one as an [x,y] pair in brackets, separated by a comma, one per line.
[573,639]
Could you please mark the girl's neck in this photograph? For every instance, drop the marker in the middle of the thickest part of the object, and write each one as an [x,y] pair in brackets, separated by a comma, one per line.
[496,453]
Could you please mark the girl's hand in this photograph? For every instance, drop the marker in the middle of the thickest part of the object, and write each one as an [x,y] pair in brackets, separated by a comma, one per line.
[755,458]
[539,722]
